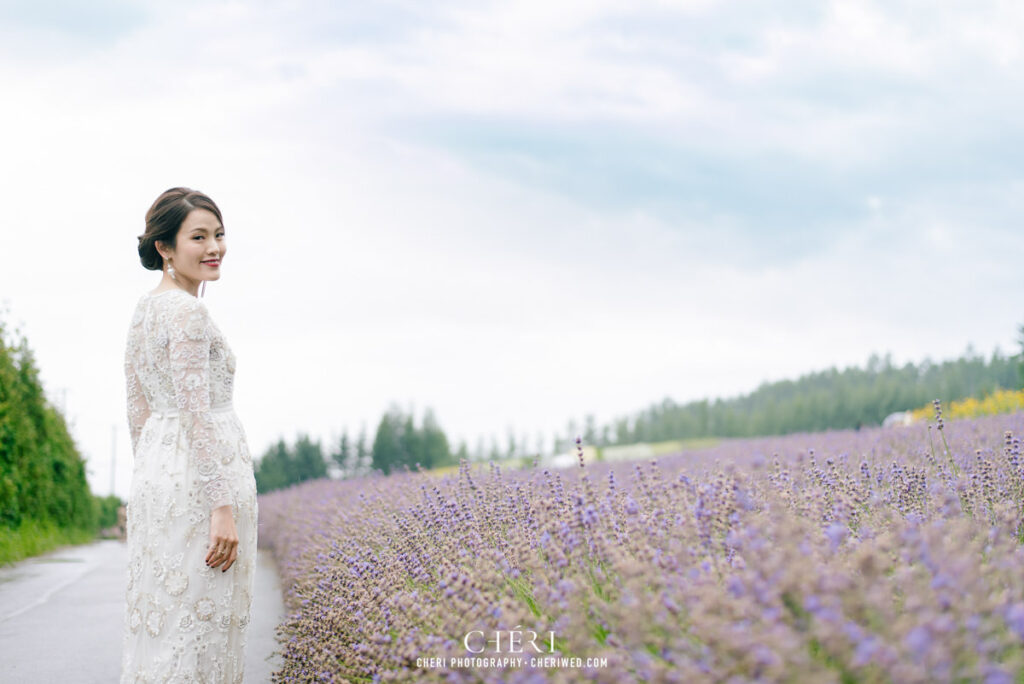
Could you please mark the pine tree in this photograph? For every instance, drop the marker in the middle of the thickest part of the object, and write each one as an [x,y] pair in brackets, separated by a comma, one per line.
[387,444]
[344,457]
[309,463]
[272,469]
[433,443]
[412,448]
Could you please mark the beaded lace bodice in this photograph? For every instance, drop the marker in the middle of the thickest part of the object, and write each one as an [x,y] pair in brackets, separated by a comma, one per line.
[177,361]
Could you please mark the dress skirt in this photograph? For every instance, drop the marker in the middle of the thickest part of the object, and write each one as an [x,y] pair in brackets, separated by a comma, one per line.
[185,622]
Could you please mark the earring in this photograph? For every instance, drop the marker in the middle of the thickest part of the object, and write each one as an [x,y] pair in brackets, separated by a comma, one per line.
[170,271]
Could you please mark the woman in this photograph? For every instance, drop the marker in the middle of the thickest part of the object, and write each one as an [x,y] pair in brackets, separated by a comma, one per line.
[192,507]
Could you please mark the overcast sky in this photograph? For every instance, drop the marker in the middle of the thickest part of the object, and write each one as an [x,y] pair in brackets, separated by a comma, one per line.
[515,213]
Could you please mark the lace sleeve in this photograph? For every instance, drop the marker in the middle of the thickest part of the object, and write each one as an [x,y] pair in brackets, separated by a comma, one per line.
[138,407]
[189,354]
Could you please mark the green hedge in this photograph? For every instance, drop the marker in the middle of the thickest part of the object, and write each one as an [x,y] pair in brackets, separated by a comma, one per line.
[44,496]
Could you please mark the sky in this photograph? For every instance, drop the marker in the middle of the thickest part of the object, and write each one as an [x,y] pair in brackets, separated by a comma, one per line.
[513,213]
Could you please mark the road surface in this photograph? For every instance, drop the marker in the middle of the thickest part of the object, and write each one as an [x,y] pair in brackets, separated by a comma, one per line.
[61,617]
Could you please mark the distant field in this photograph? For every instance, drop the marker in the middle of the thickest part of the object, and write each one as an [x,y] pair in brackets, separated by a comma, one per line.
[632,452]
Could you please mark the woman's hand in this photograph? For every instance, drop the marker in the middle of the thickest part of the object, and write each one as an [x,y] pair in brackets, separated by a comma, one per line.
[223,539]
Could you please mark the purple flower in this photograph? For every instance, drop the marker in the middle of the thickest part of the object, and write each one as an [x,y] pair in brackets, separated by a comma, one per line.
[853,631]
[631,506]
[765,657]
[973,622]
[744,500]
[865,651]
[1015,618]
[997,675]
[919,640]
[836,533]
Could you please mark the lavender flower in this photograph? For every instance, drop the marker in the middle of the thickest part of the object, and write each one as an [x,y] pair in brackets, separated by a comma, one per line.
[863,556]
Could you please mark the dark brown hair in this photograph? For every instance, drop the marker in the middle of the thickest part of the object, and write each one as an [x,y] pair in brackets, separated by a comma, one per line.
[164,219]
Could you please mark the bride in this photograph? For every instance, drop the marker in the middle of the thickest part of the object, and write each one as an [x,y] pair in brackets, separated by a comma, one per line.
[192,510]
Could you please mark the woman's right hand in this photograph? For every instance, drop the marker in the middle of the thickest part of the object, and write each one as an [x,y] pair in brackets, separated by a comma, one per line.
[223,538]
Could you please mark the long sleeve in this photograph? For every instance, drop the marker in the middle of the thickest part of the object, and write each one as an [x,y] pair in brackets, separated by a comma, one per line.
[189,355]
[138,407]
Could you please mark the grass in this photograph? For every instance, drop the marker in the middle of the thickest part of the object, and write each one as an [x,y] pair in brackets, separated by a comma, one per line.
[34,537]
[674,446]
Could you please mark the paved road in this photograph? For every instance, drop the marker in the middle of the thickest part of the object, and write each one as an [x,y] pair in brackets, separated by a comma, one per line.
[61,613]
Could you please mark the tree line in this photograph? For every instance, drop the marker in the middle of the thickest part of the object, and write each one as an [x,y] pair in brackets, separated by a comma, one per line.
[824,400]
[399,443]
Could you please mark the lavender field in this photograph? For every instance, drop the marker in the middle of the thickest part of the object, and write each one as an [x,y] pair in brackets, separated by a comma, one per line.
[873,556]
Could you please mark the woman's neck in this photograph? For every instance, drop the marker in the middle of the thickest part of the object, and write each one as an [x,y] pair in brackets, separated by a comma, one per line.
[181,283]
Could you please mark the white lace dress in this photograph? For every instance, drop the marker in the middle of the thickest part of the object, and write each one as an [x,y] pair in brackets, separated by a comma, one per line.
[183,621]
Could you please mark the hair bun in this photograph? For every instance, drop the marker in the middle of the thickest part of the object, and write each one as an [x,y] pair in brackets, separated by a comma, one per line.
[149,256]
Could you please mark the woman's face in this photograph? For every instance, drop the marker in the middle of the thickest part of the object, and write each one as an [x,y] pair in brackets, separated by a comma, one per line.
[200,247]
